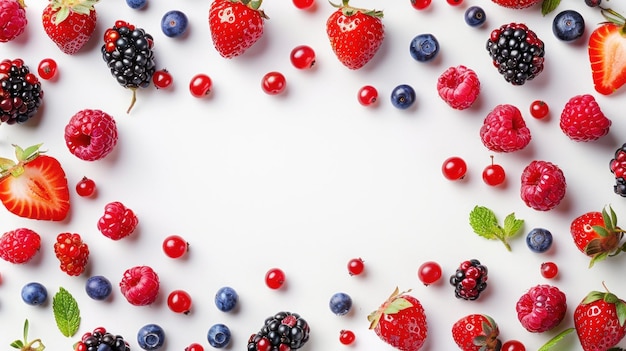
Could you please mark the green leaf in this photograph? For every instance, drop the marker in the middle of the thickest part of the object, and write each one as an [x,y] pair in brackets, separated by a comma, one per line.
[483,222]
[512,225]
[620,308]
[397,305]
[66,312]
[552,342]
[548,6]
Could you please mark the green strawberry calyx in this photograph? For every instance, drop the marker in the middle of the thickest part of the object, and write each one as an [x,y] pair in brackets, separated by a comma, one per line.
[253,5]
[63,8]
[608,244]
[394,304]
[609,298]
[25,345]
[23,156]
[488,340]
[614,17]
[348,10]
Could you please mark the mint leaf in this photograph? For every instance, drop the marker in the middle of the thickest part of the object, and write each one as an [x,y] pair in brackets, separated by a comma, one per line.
[484,223]
[512,225]
[66,312]
[548,6]
[555,340]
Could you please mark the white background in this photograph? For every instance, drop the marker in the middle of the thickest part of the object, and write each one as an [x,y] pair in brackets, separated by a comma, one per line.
[309,179]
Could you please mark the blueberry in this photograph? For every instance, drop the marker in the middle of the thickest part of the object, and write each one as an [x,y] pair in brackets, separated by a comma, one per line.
[475,16]
[539,240]
[424,47]
[403,96]
[340,303]
[136,4]
[174,23]
[218,336]
[98,287]
[568,25]
[34,294]
[151,337]
[226,299]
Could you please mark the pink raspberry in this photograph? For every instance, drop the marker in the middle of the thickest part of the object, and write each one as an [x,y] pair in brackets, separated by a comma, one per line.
[459,87]
[140,285]
[541,308]
[91,134]
[582,119]
[504,129]
[13,20]
[118,221]
[543,185]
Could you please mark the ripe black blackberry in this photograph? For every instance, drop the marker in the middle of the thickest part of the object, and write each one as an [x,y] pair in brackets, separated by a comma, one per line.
[517,52]
[469,280]
[618,168]
[20,92]
[99,339]
[284,331]
[127,50]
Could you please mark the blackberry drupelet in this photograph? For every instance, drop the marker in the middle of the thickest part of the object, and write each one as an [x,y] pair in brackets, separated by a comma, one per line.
[617,166]
[284,331]
[20,92]
[99,339]
[127,50]
[517,52]
[469,280]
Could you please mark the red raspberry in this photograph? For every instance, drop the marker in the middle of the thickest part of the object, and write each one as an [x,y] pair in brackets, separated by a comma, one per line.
[91,134]
[582,119]
[19,245]
[140,285]
[118,221]
[459,87]
[541,309]
[543,185]
[72,253]
[504,129]
[13,19]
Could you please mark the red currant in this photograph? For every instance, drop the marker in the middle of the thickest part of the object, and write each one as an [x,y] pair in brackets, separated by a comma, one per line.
[549,270]
[455,2]
[162,79]
[356,266]
[273,83]
[47,68]
[420,4]
[346,337]
[179,301]
[302,57]
[275,278]
[513,345]
[85,187]
[454,168]
[200,85]
[194,347]
[175,246]
[429,272]
[494,174]
[80,346]
[303,4]
[367,95]
[539,109]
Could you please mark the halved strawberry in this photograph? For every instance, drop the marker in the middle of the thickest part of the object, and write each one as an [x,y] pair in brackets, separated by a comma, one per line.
[35,187]
[607,53]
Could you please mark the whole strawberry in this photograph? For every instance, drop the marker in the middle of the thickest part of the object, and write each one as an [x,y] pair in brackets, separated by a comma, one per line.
[19,245]
[600,321]
[504,129]
[70,23]
[543,185]
[583,120]
[401,322]
[597,235]
[14,20]
[476,332]
[235,25]
[140,285]
[91,134]
[516,4]
[355,34]
[541,308]
[118,221]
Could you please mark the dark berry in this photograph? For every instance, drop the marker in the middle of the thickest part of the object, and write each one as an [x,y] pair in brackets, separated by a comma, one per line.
[151,337]
[475,16]
[340,303]
[20,92]
[539,240]
[568,25]
[617,165]
[283,331]
[469,280]
[34,294]
[99,339]
[218,336]
[403,96]
[174,23]
[424,47]
[593,3]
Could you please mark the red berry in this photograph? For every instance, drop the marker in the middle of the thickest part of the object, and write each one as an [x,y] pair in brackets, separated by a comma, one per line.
[543,185]
[494,174]
[541,308]
[140,285]
[454,168]
[47,68]
[455,2]
[583,120]
[200,85]
[459,87]
[549,270]
[367,95]
[118,221]
[91,134]
[72,253]
[513,345]
[273,83]
[420,4]
[179,301]
[162,79]
[429,272]
[303,4]
[85,187]
[175,246]
[356,266]
[302,57]
[539,109]
[19,245]
[275,278]
[346,337]
[194,347]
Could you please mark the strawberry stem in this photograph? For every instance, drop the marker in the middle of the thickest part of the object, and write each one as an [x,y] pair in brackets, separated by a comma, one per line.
[132,100]
[350,11]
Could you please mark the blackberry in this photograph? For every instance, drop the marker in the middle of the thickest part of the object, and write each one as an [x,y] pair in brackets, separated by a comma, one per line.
[20,92]
[99,340]
[469,280]
[517,52]
[282,332]
[618,168]
[127,50]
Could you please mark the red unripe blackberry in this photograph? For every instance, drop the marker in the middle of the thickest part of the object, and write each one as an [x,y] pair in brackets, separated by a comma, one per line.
[469,280]
[20,92]
[72,253]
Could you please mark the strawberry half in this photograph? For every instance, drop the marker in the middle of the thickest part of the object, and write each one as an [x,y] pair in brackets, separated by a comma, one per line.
[69,23]
[607,53]
[35,187]
[597,235]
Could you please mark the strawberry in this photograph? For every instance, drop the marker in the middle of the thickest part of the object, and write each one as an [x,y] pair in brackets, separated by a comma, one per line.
[19,245]
[516,4]
[600,321]
[607,53]
[69,23]
[235,25]
[476,332]
[35,187]
[355,34]
[401,322]
[597,235]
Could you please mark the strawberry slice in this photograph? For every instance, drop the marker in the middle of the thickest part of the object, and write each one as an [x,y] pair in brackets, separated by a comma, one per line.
[35,187]
[607,55]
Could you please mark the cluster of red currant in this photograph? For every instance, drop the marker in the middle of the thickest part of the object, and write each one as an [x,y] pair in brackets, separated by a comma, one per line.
[455,168]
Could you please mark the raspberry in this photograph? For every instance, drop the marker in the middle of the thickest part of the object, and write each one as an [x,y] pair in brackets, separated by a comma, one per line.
[469,280]
[92,341]
[283,331]
[19,245]
[72,253]
[459,87]
[140,285]
[91,134]
[13,19]
[582,119]
[20,92]
[541,308]
[543,185]
[504,129]
[118,221]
